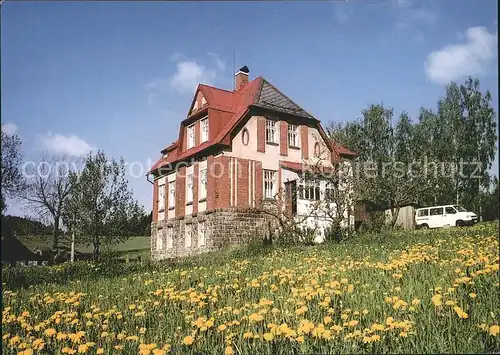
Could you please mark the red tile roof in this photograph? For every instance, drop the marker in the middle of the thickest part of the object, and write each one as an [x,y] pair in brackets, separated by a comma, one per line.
[226,109]
[343,150]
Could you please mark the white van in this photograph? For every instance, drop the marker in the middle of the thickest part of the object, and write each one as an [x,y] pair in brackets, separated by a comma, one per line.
[441,216]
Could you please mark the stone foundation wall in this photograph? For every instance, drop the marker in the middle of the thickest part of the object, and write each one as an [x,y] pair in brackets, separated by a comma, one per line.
[223,227]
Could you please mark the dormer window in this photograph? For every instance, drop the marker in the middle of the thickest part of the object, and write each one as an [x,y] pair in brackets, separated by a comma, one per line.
[204,129]
[165,155]
[190,137]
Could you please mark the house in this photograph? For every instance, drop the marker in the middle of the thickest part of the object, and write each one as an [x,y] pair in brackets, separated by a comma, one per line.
[236,150]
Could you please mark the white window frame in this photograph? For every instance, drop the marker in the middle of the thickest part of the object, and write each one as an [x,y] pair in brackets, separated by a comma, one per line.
[204,129]
[189,188]
[170,237]
[171,194]
[201,233]
[159,240]
[161,198]
[309,190]
[269,184]
[191,136]
[203,184]
[188,235]
[272,132]
[293,135]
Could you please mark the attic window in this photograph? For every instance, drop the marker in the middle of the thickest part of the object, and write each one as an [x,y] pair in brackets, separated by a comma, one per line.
[165,155]
[203,101]
[195,107]
[317,150]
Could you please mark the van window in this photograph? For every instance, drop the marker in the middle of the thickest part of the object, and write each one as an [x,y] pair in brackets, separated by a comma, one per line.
[423,213]
[436,211]
[450,210]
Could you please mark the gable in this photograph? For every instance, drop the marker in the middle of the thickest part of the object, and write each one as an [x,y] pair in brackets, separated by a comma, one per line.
[199,101]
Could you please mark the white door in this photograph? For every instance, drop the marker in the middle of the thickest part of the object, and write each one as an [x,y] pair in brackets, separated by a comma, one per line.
[436,217]
[450,216]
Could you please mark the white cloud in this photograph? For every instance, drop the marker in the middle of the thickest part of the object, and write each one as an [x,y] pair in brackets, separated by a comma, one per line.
[220,63]
[189,74]
[9,128]
[456,61]
[71,145]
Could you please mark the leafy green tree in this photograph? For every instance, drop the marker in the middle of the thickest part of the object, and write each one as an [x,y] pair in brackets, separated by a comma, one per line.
[468,121]
[101,203]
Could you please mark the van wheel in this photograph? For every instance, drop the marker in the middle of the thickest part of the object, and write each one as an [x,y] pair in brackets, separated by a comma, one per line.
[424,226]
[459,223]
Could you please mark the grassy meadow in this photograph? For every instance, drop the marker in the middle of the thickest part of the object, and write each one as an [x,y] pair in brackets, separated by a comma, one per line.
[402,292]
[130,248]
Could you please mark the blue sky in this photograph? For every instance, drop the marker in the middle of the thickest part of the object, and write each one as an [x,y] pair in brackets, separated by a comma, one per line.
[120,76]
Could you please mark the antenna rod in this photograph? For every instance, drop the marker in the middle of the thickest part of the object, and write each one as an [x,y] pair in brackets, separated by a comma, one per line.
[234,68]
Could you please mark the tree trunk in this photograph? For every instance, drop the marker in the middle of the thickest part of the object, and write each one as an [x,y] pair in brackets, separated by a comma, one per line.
[97,250]
[395,214]
[55,233]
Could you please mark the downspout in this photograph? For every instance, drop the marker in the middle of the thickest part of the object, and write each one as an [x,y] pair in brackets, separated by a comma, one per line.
[147,178]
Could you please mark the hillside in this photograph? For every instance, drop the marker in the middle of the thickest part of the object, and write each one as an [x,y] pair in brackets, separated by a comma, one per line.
[402,292]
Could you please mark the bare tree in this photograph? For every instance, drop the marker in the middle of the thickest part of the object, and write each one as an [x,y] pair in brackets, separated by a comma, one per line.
[12,179]
[324,188]
[48,188]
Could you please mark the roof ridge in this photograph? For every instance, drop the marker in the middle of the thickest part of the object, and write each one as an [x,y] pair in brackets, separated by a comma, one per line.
[216,88]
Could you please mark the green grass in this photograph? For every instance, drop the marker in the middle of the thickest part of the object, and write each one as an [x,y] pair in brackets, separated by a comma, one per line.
[131,248]
[372,294]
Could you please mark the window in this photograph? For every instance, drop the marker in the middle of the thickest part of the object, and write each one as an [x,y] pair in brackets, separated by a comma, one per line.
[201,233]
[450,210]
[187,236]
[190,136]
[317,149]
[269,183]
[271,131]
[171,196]
[293,135]
[203,101]
[436,211]
[159,239]
[423,213]
[330,191]
[161,198]
[309,190]
[203,184]
[170,237]
[460,209]
[195,107]
[189,186]
[204,130]
[245,136]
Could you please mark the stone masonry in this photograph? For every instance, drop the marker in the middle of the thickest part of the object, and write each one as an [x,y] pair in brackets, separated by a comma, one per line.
[223,227]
